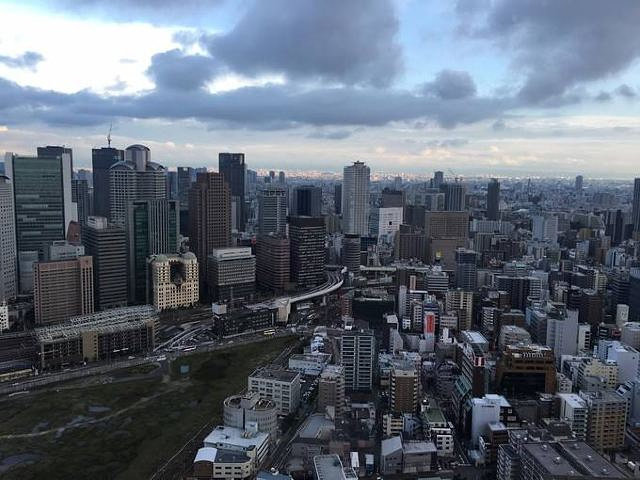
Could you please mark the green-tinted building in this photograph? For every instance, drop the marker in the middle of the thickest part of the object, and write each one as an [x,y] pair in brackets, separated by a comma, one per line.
[152,228]
[42,192]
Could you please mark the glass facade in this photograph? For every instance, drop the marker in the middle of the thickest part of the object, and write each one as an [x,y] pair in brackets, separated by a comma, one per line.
[39,202]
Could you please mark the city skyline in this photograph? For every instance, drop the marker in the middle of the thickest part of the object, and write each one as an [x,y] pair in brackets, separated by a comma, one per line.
[387,89]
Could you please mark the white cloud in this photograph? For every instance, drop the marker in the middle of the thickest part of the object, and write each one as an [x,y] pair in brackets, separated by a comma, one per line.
[80,53]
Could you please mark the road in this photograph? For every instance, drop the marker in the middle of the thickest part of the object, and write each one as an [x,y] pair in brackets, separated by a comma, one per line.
[161,355]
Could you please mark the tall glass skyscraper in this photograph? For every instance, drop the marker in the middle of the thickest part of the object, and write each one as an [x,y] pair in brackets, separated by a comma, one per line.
[152,228]
[233,169]
[42,192]
[102,159]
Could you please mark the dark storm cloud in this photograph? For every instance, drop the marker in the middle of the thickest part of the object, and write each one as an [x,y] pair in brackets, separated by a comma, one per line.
[28,60]
[164,12]
[271,106]
[344,41]
[451,85]
[560,44]
[603,97]
[175,70]
[626,91]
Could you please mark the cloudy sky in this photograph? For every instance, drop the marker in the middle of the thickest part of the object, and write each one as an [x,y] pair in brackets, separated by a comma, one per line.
[506,87]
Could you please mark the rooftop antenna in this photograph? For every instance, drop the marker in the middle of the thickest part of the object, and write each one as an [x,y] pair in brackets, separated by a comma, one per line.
[109,135]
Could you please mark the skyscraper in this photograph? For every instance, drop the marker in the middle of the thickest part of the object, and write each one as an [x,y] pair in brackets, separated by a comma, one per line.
[62,289]
[8,253]
[233,168]
[42,199]
[579,183]
[337,198]
[209,216]
[466,269]
[636,205]
[307,236]
[357,349]
[272,210]
[454,196]
[355,199]
[80,196]
[107,244]
[152,228]
[102,159]
[136,178]
[438,179]
[493,200]
[186,177]
[307,201]
[273,263]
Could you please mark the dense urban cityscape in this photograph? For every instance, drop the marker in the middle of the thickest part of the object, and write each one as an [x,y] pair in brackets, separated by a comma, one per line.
[456,328]
[319,240]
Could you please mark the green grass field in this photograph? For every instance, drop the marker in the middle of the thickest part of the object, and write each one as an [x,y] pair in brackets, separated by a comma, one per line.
[143,422]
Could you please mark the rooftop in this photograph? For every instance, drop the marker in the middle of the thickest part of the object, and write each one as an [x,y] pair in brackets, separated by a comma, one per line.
[434,415]
[328,467]
[278,374]
[391,445]
[550,459]
[112,320]
[588,460]
[235,436]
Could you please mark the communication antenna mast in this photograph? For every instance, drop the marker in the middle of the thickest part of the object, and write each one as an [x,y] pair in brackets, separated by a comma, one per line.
[109,135]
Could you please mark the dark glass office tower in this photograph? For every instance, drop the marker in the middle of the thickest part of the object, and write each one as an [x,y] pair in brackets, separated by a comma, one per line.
[152,228]
[307,201]
[80,196]
[493,200]
[107,244]
[233,169]
[102,159]
[55,151]
[307,235]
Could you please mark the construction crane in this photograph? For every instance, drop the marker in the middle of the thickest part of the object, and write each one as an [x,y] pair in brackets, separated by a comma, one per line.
[109,135]
[456,177]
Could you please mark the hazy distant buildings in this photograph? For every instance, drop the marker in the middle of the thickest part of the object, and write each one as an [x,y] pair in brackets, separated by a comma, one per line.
[62,289]
[355,199]
[209,217]
[233,168]
[107,244]
[8,252]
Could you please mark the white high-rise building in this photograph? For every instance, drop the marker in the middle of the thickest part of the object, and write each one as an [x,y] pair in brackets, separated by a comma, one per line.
[355,199]
[272,210]
[8,254]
